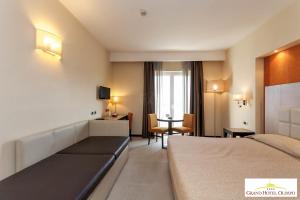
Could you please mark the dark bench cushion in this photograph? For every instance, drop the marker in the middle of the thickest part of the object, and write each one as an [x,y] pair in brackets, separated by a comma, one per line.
[59,177]
[98,145]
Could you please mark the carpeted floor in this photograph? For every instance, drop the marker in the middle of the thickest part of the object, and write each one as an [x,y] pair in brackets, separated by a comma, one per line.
[146,174]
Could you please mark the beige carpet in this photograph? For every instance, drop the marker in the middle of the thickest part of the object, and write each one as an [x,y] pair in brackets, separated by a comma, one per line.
[146,174]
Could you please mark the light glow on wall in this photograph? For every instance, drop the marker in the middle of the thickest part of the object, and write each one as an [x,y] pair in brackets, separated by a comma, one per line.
[238,97]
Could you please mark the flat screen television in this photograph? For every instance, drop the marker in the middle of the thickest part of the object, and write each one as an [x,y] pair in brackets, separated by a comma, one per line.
[104,92]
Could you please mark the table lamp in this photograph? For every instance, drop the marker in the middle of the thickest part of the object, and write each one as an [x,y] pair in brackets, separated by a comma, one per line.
[115,100]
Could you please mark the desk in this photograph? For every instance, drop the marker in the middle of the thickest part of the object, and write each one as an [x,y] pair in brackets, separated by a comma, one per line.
[119,117]
[170,122]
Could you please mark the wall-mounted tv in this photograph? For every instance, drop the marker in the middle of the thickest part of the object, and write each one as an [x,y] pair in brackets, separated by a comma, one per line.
[104,92]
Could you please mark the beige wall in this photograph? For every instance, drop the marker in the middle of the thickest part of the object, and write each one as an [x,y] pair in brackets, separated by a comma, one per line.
[213,101]
[38,92]
[243,67]
[128,83]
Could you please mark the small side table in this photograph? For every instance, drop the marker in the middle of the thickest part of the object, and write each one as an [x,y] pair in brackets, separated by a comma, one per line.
[233,132]
[170,124]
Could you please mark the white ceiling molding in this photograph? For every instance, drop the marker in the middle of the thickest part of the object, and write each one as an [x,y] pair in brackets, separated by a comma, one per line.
[168,56]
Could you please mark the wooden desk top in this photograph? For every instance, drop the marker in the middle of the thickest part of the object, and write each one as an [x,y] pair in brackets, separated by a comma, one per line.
[120,116]
[170,120]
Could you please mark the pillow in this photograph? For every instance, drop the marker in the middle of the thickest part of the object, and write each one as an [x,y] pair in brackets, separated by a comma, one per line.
[283,143]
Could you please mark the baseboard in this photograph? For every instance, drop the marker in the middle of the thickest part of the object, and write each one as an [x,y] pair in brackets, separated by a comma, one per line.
[213,136]
[136,135]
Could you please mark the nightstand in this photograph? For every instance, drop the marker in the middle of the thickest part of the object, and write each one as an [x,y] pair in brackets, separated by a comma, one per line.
[233,132]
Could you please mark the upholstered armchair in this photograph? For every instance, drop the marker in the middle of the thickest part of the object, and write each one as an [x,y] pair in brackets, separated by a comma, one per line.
[155,129]
[187,125]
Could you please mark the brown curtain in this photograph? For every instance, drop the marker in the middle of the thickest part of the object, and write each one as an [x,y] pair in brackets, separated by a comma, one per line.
[197,96]
[149,93]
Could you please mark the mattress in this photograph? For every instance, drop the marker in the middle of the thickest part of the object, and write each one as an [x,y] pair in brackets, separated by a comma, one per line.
[99,145]
[59,177]
[216,168]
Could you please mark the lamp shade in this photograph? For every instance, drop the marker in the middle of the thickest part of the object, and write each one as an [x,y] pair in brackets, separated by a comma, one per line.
[115,99]
[49,43]
[215,86]
[238,97]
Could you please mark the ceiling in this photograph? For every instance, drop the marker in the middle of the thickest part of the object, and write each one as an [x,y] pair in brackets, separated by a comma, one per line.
[172,25]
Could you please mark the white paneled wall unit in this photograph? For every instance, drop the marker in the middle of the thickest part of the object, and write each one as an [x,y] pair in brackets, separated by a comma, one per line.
[282,109]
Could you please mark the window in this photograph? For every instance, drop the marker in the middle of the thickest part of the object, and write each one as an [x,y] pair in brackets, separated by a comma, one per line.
[172,94]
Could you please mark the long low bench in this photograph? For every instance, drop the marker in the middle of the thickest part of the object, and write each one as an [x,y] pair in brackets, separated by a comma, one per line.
[98,145]
[86,169]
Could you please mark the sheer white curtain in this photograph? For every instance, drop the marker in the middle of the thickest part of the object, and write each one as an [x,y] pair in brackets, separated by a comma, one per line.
[172,92]
[187,87]
[158,84]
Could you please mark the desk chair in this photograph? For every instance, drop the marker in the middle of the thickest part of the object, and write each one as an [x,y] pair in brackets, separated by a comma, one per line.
[130,116]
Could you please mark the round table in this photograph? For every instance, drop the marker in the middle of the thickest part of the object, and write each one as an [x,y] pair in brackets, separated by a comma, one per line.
[170,122]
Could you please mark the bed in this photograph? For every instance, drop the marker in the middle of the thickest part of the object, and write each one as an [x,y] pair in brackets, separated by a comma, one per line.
[216,168]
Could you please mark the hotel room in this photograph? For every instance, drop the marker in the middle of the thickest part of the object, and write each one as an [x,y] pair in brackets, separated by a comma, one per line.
[142,100]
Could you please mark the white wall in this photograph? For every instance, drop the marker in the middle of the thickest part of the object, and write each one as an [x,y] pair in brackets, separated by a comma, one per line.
[39,92]
[242,64]
[128,79]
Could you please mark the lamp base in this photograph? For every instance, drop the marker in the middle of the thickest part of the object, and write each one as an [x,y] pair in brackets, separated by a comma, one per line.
[114,114]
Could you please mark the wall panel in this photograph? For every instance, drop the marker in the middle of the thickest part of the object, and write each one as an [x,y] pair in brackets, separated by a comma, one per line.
[283,67]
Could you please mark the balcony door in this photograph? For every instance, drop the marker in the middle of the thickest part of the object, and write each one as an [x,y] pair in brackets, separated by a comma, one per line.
[172,94]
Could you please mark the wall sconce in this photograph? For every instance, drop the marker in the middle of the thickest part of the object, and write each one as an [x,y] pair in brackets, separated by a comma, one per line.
[215,86]
[240,99]
[49,43]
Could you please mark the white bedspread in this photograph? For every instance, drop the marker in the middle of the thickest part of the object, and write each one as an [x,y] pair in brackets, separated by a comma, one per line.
[215,168]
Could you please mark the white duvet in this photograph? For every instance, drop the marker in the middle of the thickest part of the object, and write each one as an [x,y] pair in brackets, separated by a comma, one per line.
[215,168]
